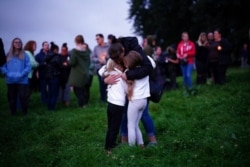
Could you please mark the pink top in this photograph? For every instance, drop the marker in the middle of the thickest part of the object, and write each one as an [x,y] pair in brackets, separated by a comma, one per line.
[186,48]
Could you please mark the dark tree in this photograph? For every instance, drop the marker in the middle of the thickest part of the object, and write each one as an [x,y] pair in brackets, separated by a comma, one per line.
[168,18]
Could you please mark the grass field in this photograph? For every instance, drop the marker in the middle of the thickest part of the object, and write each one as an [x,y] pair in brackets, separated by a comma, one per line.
[211,128]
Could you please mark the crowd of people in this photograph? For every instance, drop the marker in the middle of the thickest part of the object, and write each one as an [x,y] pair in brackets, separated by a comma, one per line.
[124,69]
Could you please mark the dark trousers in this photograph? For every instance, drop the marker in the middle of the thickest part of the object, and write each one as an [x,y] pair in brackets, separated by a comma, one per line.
[222,73]
[171,75]
[87,89]
[43,90]
[102,88]
[114,114]
[218,72]
[214,71]
[201,68]
[79,92]
[53,91]
[18,92]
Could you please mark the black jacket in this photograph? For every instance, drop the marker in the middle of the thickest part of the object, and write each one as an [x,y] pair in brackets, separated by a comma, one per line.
[129,44]
[64,71]
[225,53]
[201,53]
[222,56]
[53,65]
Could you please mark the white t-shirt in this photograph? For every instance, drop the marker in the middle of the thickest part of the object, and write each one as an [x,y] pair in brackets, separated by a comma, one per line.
[116,94]
[141,88]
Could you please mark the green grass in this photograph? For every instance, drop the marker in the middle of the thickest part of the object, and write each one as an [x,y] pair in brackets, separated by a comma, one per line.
[209,129]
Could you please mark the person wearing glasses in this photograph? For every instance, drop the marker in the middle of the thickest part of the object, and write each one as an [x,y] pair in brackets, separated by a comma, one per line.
[99,57]
[16,71]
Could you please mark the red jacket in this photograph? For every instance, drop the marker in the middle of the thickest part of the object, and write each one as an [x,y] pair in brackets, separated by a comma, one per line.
[186,48]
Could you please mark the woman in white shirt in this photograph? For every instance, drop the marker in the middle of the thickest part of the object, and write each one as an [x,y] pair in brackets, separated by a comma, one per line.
[116,97]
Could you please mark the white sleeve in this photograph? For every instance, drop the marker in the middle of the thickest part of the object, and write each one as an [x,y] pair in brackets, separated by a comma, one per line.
[152,61]
[102,70]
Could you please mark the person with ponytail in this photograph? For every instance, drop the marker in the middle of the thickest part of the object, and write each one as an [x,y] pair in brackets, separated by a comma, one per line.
[64,92]
[79,73]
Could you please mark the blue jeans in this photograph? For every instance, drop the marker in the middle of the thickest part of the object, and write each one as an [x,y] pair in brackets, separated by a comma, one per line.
[187,75]
[53,91]
[64,93]
[146,119]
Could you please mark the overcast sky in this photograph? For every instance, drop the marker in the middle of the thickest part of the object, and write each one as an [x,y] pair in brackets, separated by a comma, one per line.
[61,20]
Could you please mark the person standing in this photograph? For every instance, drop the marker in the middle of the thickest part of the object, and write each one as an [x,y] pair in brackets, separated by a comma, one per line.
[171,63]
[186,53]
[244,55]
[79,73]
[53,67]
[210,39]
[16,71]
[201,58]
[219,57]
[89,82]
[42,70]
[64,88]
[160,72]
[100,56]
[30,48]
[116,98]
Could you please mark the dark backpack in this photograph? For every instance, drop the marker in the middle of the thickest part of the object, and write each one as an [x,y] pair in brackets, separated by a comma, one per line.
[156,90]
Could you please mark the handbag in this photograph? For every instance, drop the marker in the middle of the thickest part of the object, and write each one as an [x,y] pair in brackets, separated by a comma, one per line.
[156,91]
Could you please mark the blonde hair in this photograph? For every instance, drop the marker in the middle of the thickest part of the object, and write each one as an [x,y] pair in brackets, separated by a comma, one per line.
[199,42]
[131,85]
[111,66]
[14,52]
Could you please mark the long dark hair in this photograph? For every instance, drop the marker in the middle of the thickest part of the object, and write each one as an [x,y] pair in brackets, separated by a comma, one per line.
[115,50]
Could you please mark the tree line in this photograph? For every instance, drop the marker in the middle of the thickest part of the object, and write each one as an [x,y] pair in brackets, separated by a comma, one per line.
[166,19]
